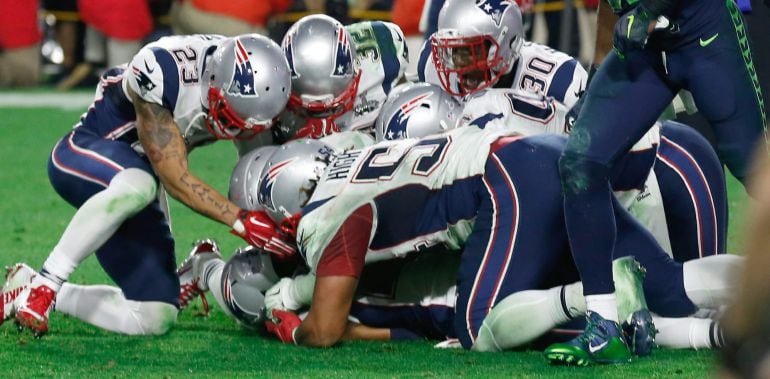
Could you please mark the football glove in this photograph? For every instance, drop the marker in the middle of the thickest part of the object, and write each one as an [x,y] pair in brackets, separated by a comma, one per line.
[283,324]
[256,228]
[632,29]
[282,295]
[317,128]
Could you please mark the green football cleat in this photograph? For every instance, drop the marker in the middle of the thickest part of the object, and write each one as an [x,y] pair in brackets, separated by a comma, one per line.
[601,342]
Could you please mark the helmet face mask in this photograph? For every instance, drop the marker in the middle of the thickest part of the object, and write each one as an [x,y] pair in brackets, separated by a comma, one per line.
[246,83]
[467,61]
[224,123]
[477,42]
[326,108]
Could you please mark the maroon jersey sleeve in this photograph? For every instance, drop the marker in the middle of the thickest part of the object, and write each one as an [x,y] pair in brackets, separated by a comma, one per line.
[344,255]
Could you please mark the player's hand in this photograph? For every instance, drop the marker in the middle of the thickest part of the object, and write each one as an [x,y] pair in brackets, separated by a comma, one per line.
[633,29]
[317,128]
[258,230]
[282,296]
[283,324]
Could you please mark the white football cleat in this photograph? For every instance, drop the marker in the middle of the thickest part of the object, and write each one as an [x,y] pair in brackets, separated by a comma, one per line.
[17,280]
[191,284]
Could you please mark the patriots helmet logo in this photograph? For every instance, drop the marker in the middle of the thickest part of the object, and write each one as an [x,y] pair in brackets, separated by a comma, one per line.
[143,80]
[243,75]
[288,51]
[265,196]
[343,54]
[396,128]
[494,8]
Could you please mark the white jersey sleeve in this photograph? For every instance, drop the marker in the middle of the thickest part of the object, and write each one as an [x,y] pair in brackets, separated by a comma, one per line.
[382,57]
[541,69]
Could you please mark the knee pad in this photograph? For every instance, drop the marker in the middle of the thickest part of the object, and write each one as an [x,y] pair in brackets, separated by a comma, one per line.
[132,190]
[580,174]
[154,317]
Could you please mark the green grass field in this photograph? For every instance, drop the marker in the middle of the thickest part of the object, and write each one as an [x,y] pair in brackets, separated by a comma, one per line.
[32,217]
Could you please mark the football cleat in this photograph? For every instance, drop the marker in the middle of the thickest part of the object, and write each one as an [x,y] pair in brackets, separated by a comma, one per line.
[191,284]
[601,342]
[638,327]
[17,279]
[33,313]
[639,332]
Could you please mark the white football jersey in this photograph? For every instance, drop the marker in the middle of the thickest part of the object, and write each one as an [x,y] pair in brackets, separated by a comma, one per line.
[530,114]
[168,73]
[539,69]
[396,178]
[382,56]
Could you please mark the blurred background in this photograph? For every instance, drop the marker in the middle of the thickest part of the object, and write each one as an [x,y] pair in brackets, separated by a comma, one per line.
[67,43]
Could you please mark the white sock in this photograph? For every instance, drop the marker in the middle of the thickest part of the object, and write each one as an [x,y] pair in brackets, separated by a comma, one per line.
[212,276]
[712,282]
[523,316]
[605,305]
[95,222]
[688,332]
[107,308]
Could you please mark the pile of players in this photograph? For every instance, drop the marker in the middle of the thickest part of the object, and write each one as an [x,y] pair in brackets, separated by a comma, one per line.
[382,209]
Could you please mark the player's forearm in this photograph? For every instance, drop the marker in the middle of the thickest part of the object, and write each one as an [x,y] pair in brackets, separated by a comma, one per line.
[202,198]
[355,331]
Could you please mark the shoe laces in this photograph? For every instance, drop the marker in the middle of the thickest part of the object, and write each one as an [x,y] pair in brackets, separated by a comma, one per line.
[188,292]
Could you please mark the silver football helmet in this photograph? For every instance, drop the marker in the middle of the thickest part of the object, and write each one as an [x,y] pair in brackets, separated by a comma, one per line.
[323,76]
[246,83]
[244,181]
[417,110]
[245,278]
[477,42]
[290,177]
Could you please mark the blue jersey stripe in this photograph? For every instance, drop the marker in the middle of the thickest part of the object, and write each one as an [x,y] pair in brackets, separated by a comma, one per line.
[388,54]
[422,62]
[437,210]
[562,80]
[170,77]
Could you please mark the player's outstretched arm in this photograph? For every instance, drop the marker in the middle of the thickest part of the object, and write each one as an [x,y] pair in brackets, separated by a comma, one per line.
[167,152]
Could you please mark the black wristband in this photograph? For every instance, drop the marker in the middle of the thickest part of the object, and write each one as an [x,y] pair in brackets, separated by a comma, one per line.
[656,7]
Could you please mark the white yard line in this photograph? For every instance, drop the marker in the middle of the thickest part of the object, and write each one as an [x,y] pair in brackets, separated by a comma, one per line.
[62,100]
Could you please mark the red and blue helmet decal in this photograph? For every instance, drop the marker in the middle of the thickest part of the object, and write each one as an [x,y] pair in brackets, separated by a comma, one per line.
[265,196]
[243,75]
[343,56]
[494,8]
[288,50]
[396,126]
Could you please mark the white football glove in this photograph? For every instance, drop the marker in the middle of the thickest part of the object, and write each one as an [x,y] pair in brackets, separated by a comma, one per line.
[290,294]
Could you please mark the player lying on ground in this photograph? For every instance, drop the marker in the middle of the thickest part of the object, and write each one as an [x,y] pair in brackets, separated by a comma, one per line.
[426,217]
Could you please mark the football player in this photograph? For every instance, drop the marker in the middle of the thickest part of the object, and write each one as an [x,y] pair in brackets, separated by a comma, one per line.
[480,44]
[341,75]
[490,193]
[129,148]
[685,162]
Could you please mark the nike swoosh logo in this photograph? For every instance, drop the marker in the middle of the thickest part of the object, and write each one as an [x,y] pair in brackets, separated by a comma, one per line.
[598,347]
[628,28]
[708,41]
[148,68]
[255,221]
